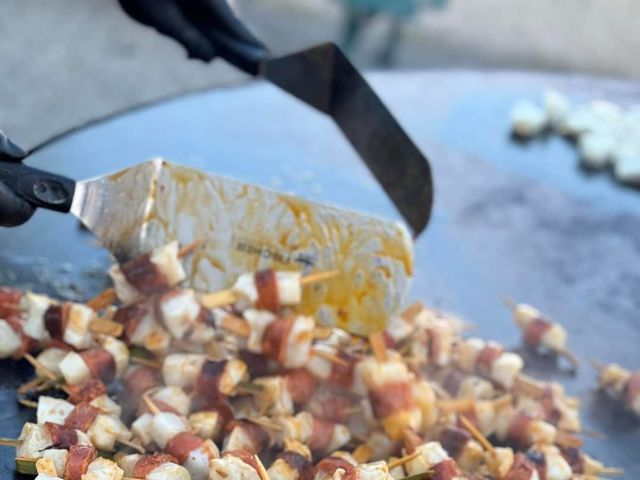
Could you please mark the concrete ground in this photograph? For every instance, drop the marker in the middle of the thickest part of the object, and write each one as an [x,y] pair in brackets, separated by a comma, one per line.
[64,62]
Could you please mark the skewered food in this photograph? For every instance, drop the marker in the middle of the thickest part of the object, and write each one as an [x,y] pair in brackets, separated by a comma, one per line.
[238,385]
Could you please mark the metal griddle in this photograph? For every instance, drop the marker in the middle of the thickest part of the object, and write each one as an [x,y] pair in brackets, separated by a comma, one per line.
[512,220]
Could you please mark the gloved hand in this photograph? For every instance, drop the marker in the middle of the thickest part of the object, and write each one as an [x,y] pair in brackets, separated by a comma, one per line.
[206,28]
[14,210]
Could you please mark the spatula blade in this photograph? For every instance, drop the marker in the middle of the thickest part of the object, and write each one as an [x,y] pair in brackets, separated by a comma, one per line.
[247,228]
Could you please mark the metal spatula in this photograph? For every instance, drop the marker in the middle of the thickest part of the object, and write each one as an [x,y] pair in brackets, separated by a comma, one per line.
[244,228]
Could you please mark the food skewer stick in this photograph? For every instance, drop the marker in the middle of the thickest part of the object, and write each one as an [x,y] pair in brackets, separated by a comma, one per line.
[10,442]
[46,372]
[401,461]
[477,434]
[538,330]
[229,296]
[376,339]
[108,296]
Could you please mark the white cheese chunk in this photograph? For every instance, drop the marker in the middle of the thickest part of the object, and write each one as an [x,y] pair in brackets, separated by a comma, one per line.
[74,369]
[54,410]
[165,426]
[10,341]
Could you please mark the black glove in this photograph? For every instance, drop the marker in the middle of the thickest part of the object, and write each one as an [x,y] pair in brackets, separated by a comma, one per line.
[206,28]
[14,210]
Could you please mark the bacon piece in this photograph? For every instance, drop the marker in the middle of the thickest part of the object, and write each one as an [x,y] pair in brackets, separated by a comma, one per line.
[518,431]
[257,364]
[80,456]
[258,435]
[207,382]
[391,398]
[144,275]
[342,375]
[55,319]
[522,468]
[534,332]
[301,384]
[389,342]
[182,444]
[100,363]
[486,357]
[552,413]
[148,463]
[434,345]
[330,464]
[574,458]
[299,463]
[247,457]
[445,470]
[333,406]
[81,417]
[632,389]
[267,286]
[321,434]
[87,391]
[130,316]
[9,297]
[274,339]
[62,437]
[141,380]
[452,382]
[454,439]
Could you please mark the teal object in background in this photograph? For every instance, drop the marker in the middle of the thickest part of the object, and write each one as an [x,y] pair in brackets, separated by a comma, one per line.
[399,8]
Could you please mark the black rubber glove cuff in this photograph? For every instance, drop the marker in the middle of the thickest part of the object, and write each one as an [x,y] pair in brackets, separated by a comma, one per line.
[14,210]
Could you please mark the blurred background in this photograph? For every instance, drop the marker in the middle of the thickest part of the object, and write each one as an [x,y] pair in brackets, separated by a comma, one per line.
[66,61]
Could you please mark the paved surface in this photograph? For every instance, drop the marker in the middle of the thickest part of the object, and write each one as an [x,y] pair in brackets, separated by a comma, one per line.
[64,62]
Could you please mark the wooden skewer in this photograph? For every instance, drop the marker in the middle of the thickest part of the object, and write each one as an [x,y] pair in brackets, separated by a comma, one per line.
[30,385]
[10,442]
[229,296]
[528,386]
[565,439]
[477,434]
[610,472]
[189,248]
[39,366]
[236,325]
[103,299]
[249,387]
[146,361]
[376,339]
[218,299]
[403,460]
[456,405]
[150,404]
[106,327]
[362,453]
[138,448]
[28,403]
[266,423]
[511,304]
[318,277]
[412,310]
[264,475]
[570,356]
[330,357]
